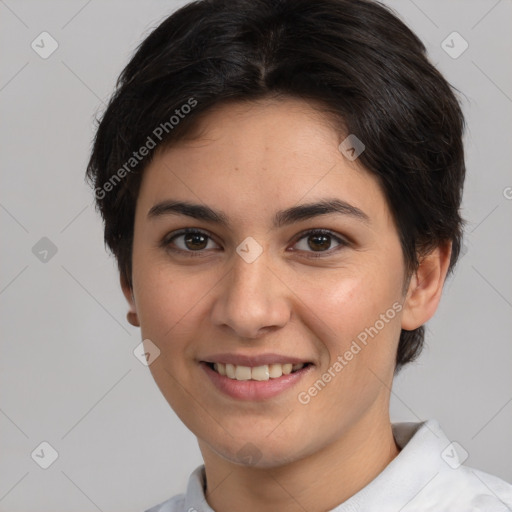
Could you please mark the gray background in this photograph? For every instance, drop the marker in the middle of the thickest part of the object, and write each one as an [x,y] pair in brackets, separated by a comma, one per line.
[68,375]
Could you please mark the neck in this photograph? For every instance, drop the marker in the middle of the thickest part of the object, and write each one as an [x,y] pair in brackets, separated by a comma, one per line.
[320,481]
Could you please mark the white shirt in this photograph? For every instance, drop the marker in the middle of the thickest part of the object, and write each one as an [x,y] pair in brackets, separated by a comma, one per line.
[426,475]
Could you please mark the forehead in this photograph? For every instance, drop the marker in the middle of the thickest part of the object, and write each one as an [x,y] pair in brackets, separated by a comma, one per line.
[258,157]
[272,128]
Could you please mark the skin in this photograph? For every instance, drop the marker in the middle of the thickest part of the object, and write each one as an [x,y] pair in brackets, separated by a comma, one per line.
[250,161]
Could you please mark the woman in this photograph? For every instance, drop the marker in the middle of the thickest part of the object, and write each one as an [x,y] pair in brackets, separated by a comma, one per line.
[280,183]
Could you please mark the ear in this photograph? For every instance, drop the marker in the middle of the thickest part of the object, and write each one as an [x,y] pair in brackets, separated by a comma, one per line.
[425,287]
[131,316]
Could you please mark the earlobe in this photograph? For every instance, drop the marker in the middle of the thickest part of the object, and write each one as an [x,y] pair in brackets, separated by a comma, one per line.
[131,316]
[425,287]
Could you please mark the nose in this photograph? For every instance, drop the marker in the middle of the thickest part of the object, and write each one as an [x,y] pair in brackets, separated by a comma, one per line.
[252,300]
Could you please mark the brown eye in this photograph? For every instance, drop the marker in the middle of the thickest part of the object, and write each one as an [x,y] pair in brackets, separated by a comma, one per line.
[188,241]
[320,241]
[195,241]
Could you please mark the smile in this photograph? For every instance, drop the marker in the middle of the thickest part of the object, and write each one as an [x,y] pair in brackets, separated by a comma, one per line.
[259,373]
[257,382]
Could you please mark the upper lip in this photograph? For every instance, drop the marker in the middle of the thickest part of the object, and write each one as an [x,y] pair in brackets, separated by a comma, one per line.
[253,361]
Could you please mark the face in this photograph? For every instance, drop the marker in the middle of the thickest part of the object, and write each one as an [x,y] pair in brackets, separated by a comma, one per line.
[263,289]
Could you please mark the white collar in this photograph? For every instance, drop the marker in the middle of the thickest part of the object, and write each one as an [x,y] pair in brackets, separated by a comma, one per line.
[425,474]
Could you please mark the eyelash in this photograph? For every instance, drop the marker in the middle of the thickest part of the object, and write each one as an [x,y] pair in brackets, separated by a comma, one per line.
[166,242]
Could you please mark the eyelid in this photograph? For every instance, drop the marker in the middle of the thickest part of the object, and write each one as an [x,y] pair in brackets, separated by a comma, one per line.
[167,239]
[343,242]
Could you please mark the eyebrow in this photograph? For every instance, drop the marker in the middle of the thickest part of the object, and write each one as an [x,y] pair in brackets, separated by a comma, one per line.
[281,218]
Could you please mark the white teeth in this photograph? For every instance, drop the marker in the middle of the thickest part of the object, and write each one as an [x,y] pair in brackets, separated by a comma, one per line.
[230,371]
[275,370]
[261,373]
[242,373]
[287,368]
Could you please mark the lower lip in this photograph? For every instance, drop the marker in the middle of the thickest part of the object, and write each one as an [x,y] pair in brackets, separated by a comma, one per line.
[254,389]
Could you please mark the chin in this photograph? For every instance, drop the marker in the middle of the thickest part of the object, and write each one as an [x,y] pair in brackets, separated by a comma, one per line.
[260,452]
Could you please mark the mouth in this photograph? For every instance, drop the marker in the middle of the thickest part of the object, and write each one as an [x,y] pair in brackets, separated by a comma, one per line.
[256,373]
[255,378]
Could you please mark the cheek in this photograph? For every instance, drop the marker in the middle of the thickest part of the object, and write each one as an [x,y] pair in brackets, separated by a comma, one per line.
[356,321]
[166,298]
[350,301]
[355,315]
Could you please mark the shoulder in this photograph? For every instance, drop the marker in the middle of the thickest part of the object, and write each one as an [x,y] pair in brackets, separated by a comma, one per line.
[174,504]
[193,500]
[472,489]
[429,476]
